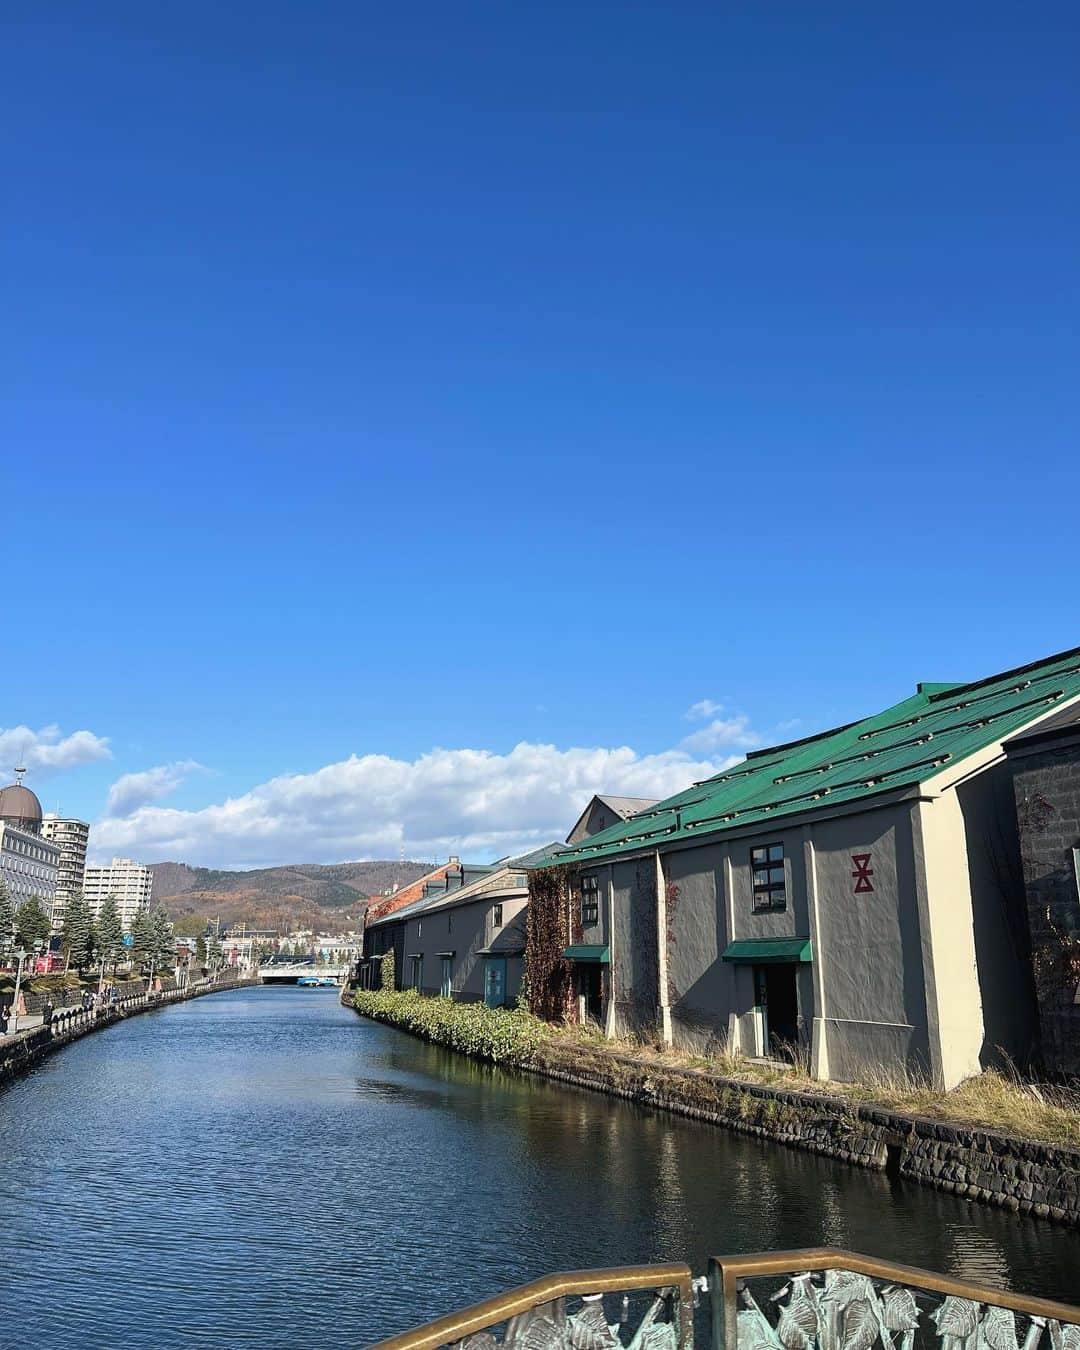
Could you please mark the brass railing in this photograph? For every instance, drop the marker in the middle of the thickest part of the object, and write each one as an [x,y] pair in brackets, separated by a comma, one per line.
[862,1302]
[536,1316]
[821,1298]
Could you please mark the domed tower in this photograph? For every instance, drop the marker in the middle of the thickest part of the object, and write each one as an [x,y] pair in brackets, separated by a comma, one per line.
[19,806]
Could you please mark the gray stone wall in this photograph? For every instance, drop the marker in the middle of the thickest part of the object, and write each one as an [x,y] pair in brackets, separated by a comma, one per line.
[1047,792]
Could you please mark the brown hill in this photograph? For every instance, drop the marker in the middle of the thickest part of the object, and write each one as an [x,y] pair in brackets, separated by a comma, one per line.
[304,895]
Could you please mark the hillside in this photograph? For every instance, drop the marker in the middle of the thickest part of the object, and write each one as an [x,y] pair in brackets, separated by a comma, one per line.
[303,895]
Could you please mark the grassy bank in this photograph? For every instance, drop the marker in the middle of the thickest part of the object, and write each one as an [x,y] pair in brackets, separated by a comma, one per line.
[995,1100]
[998,1101]
[501,1036]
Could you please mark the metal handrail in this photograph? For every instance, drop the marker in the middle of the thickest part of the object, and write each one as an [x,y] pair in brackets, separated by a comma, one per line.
[726,1273]
[565,1284]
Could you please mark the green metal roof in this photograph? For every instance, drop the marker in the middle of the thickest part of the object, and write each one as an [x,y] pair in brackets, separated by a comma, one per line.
[585,952]
[908,744]
[768,951]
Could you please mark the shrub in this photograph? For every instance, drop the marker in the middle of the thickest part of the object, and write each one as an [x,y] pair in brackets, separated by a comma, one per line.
[500,1035]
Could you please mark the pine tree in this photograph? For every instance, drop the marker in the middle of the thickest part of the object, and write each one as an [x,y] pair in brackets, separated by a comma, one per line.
[78,932]
[142,937]
[110,931]
[162,942]
[200,952]
[7,919]
[32,924]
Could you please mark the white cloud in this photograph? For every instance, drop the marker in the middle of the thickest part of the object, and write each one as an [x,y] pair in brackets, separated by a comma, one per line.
[472,802]
[732,733]
[46,751]
[697,712]
[134,790]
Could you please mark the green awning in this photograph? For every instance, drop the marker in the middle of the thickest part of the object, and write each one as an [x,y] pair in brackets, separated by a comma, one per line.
[585,952]
[768,951]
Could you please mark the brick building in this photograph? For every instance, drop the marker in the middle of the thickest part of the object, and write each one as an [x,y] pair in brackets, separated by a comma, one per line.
[1045,764]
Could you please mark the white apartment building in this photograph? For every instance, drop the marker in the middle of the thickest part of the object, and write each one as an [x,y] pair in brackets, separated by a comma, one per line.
[128,882]
[71,836]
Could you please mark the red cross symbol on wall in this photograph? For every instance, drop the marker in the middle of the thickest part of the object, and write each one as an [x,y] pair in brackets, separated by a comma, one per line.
[862,873]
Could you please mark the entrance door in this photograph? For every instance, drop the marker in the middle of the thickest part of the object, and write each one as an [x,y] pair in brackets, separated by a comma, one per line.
[495,982]
[446,979]
[780,1000]
[591,989]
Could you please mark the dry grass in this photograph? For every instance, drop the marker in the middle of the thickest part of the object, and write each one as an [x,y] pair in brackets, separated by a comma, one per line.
[997,1100]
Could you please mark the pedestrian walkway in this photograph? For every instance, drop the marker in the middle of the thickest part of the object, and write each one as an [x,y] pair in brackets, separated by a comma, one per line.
[27,1022]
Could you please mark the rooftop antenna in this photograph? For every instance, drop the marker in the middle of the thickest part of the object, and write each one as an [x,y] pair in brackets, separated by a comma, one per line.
[20,770]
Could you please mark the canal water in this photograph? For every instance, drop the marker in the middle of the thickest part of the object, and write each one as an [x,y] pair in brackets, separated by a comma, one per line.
[264,1167]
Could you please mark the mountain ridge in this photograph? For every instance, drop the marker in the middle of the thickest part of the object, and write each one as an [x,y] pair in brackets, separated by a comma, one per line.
[296,895]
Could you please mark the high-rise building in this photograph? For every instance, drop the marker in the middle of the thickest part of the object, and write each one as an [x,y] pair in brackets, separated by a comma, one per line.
[71,836]
[28,863]
[128,882]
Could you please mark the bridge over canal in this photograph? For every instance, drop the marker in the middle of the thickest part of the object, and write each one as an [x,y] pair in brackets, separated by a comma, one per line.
[289,974]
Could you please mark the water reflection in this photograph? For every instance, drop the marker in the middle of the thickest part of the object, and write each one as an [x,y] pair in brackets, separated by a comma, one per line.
[243,1168]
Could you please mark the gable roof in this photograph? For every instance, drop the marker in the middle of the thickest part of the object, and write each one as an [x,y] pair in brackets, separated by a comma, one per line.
[623,807]
[407,895]
[626,806]
[497,879]
[915,740]
[1063,728]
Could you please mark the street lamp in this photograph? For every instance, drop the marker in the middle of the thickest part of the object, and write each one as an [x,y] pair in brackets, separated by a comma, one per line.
[21,953]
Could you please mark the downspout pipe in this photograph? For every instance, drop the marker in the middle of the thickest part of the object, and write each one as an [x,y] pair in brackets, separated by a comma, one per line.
[663,1006]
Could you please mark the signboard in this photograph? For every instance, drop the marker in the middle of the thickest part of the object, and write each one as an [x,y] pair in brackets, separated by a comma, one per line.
[129,941]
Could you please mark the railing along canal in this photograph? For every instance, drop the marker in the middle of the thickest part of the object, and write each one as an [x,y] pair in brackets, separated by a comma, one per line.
[814,1299]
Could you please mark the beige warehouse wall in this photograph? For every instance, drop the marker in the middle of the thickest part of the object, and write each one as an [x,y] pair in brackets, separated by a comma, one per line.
[954,1002]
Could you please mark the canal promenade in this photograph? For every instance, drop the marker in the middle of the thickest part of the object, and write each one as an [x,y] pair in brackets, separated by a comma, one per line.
[264,1166]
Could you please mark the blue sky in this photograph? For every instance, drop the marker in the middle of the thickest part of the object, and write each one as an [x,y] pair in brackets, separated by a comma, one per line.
[384,378]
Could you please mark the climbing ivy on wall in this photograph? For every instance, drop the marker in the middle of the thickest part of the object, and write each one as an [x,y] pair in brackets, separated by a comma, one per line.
[386,971]
[671,894]
[547,986]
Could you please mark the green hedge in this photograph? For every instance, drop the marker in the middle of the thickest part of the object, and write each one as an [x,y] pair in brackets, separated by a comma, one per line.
[501,1035]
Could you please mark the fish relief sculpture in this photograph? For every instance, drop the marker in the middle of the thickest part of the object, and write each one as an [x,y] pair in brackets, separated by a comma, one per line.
[900,1314]
[588,1329]
[957,1322]
[538,1331]
[800,1318]
[1064,1336]
[479,1340]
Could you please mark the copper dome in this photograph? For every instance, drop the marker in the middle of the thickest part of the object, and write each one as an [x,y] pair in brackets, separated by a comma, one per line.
[20,807]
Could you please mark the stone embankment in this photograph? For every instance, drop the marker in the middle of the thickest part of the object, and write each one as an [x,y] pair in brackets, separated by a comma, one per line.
[25,1049]
[1024,1176]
